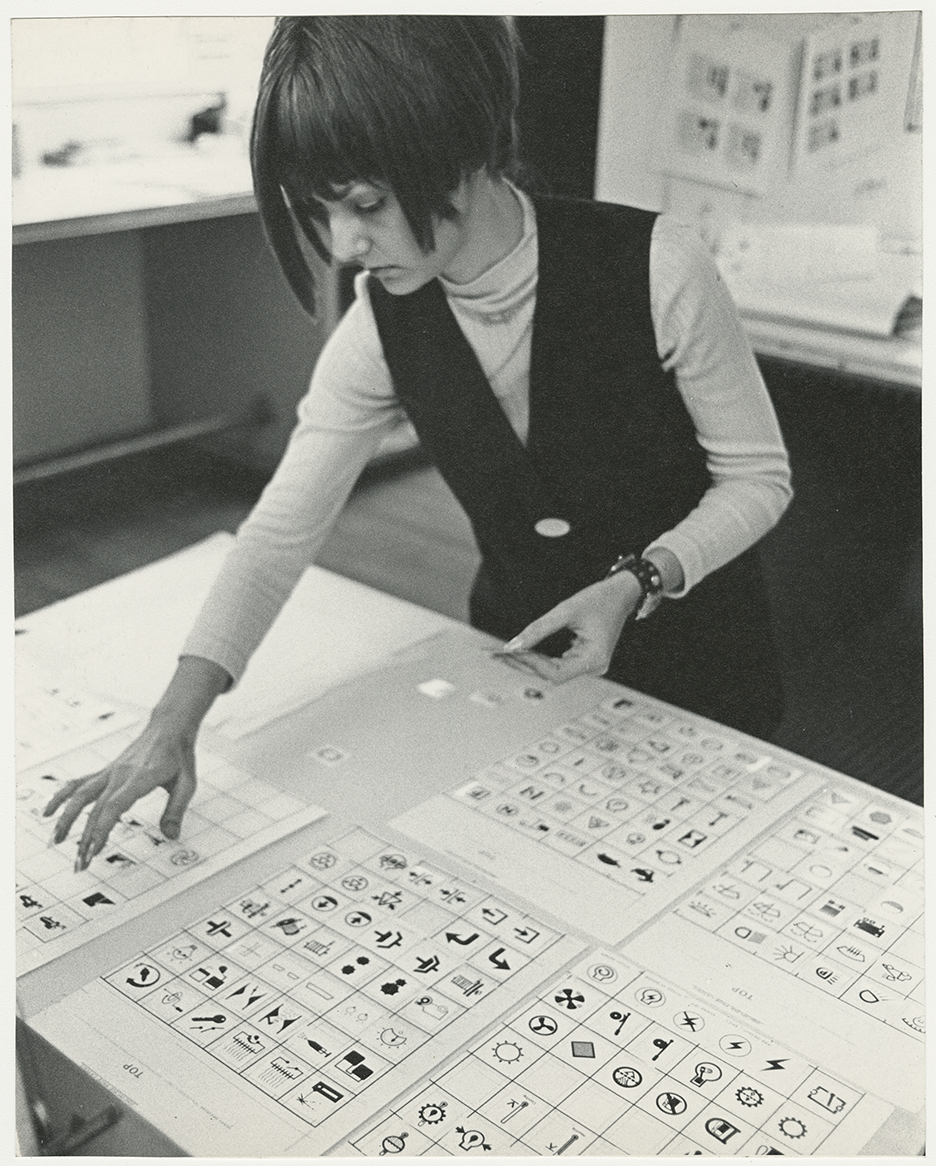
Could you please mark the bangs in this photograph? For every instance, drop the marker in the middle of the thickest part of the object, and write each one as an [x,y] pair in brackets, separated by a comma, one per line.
[410,104]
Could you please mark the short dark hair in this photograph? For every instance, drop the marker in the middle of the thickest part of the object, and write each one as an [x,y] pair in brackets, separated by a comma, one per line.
[413,103]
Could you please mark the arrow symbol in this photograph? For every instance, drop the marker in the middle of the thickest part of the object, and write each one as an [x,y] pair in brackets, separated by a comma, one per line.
[492,915]
[525,934]
[495,959]
[454,937]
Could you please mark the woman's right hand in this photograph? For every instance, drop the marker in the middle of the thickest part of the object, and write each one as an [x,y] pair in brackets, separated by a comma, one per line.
[162,755]
[156,758]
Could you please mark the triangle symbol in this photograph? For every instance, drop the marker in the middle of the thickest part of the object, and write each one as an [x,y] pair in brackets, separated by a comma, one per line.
[837,799]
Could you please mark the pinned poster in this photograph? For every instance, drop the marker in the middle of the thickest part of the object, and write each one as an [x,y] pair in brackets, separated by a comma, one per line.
[729,100]
[853,89]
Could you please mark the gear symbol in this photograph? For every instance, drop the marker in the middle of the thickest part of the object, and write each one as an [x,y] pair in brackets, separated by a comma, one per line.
[749,1096]
[792,1127]
[507,1051]
[432,1114]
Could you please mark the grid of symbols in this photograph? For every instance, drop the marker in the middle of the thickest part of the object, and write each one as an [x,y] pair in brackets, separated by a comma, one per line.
[231,814]
[630,789]
[315,985]
[611,1061]
[834,897]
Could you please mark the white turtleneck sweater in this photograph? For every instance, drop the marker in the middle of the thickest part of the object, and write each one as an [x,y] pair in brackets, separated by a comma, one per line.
[351,406]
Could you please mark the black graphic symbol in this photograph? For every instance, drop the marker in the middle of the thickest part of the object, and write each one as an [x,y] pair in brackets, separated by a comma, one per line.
[606,858]
[507,1051]
[627,1077]
[143,976]
[720,1129]
[543,1025]
[622,1018]
[650,996]
[671,1103]
[566,998]
[750,1096]
[661,1045]
[392,1144]
[737,1046]
[706,1071]
[688,1020]
[792,1127]
[432,1113]
[775,1063]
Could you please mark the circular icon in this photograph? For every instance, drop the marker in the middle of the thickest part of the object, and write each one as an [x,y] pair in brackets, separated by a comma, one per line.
[354,882]
[602,973]
[792,1127]
[735,1046]
[393,862]
[627,1077]
[144,976]
[569,999]
[324,903]
[357,919]
[671,1103]
[750,1096]
[393,1144]
[185,858]
[543,1025]
[322,861]
[507,1051]
[432,1114]
[652,997]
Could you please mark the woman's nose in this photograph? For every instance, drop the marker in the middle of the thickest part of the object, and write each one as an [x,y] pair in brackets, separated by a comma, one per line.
[348,239]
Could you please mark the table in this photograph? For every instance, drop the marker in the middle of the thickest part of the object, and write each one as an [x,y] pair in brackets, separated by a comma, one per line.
[437,679]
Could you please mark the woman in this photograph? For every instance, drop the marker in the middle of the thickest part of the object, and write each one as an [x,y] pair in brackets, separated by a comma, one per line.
[575,369]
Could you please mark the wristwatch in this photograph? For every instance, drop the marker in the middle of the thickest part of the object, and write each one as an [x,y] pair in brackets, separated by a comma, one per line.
[647,575]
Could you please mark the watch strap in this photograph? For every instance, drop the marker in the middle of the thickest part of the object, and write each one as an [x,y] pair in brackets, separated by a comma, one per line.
[647,575]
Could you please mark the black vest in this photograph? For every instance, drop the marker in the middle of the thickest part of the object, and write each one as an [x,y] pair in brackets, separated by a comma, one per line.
[611,450]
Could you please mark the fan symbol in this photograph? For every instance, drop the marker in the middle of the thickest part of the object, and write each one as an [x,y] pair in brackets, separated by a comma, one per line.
[569,999]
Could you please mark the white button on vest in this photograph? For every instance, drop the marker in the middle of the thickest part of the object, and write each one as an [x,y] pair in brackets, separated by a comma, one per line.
[552,527]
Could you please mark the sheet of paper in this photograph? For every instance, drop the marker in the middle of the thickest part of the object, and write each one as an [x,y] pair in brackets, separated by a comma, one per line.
[277,1023]
[611,815]
[821,925]
[331,630]
[232,815]
[827,276]
[612,1060]
[122,638]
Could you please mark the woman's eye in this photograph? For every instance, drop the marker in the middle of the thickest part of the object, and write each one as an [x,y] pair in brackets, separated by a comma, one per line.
[371,208]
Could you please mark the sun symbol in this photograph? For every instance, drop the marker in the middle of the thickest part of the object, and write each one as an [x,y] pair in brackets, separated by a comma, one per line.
[507,1051]
[749,1096]
[792,1127]
[432,1114]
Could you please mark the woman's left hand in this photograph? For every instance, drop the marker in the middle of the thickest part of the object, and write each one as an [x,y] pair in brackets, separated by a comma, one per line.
[595,616]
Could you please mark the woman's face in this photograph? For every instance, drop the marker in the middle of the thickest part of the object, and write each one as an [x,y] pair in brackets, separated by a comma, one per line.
[365,224]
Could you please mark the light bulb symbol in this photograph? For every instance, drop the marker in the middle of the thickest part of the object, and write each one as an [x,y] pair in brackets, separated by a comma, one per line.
[706,1071]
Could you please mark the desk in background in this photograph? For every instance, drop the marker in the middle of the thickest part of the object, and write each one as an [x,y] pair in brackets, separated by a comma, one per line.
[385,776]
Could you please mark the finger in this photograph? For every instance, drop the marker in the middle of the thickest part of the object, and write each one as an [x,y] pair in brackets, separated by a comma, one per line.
[180,794]
[101,821]
[553,621]
[61,795]
[84,792]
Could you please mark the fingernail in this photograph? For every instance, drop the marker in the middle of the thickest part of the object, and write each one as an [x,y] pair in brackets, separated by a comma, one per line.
[514,645]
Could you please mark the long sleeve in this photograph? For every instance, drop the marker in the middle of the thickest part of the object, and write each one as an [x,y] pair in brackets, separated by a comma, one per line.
[699,337]
[348,409]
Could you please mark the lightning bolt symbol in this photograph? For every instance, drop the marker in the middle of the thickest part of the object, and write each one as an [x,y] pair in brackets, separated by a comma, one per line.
[777,1063]
[735,1044]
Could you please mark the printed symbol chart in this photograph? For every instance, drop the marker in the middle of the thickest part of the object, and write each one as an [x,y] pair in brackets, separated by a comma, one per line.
[609,1060]
[632,791]
[329,989]
[834,897]
[232,815]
